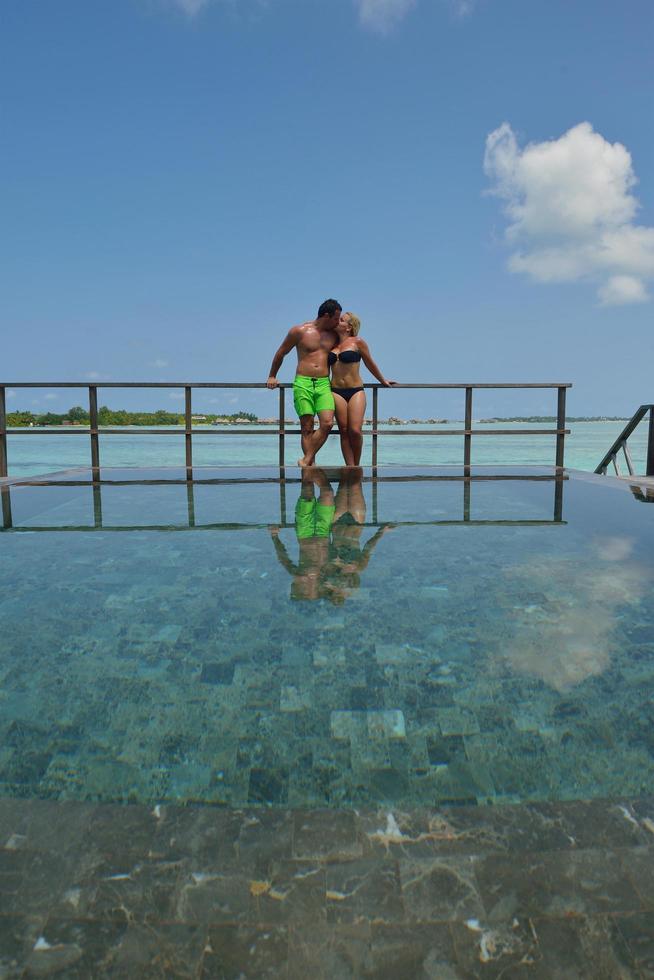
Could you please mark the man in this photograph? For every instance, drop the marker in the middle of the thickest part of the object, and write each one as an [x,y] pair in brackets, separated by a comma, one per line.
[312,393]
[313,521]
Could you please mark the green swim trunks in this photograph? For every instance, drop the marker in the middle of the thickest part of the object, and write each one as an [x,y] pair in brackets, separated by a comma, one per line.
[312,395]
[312,519]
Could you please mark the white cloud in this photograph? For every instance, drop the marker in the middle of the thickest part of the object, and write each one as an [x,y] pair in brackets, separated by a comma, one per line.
[191,7]
[176,395]
[571,211]
[92,375]
[50,397]
[462,8]
[11,393]
[564,649]
[613,548]
[382,15]
[622,289]
[158,363]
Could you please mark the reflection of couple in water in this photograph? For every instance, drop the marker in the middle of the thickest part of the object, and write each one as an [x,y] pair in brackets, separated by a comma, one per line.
[331,341]
[328,530]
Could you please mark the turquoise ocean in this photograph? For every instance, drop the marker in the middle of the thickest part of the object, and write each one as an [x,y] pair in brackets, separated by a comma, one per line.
[47,451]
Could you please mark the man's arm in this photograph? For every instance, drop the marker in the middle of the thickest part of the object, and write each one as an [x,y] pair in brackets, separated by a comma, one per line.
[289,342]
[282,553]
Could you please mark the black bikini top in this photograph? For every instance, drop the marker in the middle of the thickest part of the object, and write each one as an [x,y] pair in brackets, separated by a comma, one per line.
[346,357]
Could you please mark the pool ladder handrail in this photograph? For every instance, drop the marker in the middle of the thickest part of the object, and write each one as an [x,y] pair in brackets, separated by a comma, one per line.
[620,443]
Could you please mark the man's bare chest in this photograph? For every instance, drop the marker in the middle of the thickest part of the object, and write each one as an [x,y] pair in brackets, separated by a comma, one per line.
[314,341]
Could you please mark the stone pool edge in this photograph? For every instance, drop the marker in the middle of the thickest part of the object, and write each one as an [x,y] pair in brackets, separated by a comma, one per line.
[550,889]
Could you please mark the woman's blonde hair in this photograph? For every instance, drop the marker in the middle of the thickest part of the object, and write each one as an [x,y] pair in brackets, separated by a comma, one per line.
[355,323]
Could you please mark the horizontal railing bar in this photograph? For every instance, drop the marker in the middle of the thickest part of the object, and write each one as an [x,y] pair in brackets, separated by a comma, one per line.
[465,432]
[243,481]
[262,384]
[393,431]
[264,527]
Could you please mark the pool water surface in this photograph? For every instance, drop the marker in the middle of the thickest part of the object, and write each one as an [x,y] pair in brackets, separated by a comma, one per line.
[416,639]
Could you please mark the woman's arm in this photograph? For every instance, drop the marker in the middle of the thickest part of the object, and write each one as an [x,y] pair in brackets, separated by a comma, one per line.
[369,546]
[370,364]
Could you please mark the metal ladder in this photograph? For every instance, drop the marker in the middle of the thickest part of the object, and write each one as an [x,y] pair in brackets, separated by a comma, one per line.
[621,444]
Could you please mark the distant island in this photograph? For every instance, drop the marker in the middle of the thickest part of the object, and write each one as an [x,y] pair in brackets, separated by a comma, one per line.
[552,418]
[119,417]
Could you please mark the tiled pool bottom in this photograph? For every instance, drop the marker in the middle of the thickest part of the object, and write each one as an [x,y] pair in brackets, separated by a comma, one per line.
[444,643]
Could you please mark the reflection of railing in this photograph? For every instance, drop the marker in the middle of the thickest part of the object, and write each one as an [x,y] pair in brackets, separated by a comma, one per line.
[621,444]
[94,431]
[375,482]
[644,494]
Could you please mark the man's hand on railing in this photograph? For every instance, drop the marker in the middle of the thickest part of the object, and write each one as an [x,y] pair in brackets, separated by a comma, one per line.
[272,382]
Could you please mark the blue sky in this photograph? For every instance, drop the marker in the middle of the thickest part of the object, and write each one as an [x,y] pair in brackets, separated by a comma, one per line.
[181,181]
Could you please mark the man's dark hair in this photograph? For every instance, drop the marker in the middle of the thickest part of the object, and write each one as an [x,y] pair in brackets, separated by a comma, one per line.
[329,308]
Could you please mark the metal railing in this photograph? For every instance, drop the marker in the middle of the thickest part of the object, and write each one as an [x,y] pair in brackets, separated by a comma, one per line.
[14,491]
[94,431]
[621,444]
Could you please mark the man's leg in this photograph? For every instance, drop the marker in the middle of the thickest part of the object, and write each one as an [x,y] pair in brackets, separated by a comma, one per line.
[319,437]
[306,427]
[326,494]
[304,401]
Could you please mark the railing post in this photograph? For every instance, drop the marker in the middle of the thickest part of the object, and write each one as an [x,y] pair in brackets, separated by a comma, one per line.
[374,498]
[375,422]
[282,501]
[560,424]
[467,439]
[282,423]
[558,499]
[466,498]
[190,503]
[93,426]
[97,505]
[5,493]
[3,433]
[649,469]
[188,437]
[627,458]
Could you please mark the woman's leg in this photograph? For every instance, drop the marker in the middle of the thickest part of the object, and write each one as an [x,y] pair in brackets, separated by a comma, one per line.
[341,421]
[356,502]
[356,411]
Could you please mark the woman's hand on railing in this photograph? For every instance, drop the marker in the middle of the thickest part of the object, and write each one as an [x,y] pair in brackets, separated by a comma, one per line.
[272,382]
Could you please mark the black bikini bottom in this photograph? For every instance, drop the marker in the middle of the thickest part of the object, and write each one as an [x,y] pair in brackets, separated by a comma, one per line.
[346,393]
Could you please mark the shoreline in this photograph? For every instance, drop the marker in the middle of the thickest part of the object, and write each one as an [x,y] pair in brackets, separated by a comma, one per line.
[292,423]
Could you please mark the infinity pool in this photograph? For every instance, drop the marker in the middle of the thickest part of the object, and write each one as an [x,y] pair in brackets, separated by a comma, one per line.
[416,639]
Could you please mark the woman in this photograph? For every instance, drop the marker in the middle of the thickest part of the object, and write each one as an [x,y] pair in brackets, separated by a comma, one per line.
[347,386]
[347,559]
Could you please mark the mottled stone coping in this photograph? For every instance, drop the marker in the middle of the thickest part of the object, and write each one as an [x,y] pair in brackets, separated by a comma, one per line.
[534,890]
